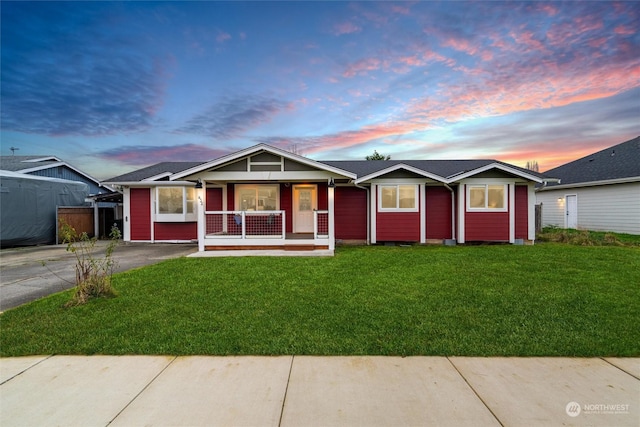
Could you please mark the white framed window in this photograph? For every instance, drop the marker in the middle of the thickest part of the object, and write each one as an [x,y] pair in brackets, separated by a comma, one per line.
[489,198]
[398,198]
[176,204]
[257,197]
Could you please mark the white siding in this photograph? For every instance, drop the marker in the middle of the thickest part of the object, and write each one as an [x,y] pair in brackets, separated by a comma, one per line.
[614,207]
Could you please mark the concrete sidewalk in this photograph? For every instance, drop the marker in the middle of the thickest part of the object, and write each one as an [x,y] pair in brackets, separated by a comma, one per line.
[318,391]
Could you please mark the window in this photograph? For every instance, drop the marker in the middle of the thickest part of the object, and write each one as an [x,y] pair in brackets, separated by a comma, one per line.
[398,198]
[257,197]
[486,197]
[176,204]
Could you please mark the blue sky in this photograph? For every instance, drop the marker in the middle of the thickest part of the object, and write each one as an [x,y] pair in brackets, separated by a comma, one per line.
[112,87]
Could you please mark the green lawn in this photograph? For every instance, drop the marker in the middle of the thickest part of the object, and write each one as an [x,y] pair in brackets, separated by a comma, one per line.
[543,300]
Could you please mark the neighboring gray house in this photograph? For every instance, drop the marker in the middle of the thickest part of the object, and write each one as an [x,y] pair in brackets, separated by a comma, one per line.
[598,192]
[35,176]
[52,167]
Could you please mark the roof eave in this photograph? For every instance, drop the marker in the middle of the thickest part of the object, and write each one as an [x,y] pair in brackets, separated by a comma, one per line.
[58,164]
[592,183]
[394,168]
[495,165]
[150,183]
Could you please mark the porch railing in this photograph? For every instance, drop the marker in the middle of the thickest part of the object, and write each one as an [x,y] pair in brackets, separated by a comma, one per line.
[245,224]
[321,224]
[258,224]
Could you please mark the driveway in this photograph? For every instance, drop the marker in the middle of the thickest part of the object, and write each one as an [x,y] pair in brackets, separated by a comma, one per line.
[24,278]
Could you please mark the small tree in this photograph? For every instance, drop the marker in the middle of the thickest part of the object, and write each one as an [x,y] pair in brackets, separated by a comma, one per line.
[93,274]
[377,156]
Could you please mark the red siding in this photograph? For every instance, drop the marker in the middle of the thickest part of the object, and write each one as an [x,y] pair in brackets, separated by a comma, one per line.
[522,212]
[487,226]
[214,199]
[438,213]
[350,213]
[286,204]
[323,196]
[398,226]
[140,201]
[231,202]
[175,230]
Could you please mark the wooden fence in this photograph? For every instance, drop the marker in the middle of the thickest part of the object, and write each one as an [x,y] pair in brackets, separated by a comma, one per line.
[80,218]
[538,218]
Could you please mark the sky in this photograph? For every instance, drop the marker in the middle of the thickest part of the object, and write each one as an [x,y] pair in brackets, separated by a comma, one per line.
[112,87]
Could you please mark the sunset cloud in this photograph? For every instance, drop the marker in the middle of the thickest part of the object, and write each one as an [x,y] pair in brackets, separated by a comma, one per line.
[147,155]
[136,82]
[346,27]
[231,116]
[57,84]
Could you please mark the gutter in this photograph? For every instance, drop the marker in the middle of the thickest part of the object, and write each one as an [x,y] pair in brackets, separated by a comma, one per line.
[561,186]
[453,211]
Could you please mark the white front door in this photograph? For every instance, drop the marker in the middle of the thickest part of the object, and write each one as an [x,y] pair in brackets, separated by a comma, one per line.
[304,203]
[571,211]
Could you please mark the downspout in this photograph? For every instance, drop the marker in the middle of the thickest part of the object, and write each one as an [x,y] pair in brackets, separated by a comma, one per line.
[453,211]
[368,210]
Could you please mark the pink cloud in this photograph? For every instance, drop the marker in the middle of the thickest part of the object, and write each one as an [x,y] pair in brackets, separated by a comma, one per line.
[549,9]
[624,30]
[346,27]
[362,67]
[222,37]
[527,38]
[461,45]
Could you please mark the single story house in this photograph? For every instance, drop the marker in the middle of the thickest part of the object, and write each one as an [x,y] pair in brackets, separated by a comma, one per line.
[264,197]
[598,192]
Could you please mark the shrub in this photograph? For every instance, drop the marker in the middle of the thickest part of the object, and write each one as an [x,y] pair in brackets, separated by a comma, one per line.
[93,273]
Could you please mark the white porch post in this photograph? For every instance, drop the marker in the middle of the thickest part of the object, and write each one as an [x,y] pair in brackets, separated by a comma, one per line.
[423,214]
[512,212]
[126,212]
[372,210]
[461,210]
[200,197]
[531,217]
[332,234]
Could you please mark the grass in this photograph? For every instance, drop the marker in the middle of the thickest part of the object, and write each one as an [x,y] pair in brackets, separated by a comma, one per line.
[587,238]
[543,300]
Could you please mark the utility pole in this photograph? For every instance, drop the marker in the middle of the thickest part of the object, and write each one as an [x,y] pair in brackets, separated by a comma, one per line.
[13,150]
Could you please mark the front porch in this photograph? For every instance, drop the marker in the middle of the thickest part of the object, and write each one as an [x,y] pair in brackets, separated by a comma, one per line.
[261,230]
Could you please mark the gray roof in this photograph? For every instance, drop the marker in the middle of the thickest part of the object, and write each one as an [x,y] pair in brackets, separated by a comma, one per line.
[618,162]
[153,170]
[18,163]
[443,168]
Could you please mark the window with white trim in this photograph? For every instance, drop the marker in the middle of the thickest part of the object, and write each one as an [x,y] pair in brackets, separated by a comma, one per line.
[258,197]
[176,204]
[398,198]
[488,197]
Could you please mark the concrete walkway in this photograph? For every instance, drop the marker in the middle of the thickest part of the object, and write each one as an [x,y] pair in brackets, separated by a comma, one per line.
[29,273]
[318,391]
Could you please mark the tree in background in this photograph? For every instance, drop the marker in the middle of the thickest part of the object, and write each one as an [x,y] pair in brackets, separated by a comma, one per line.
[533,166]
[377,156]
